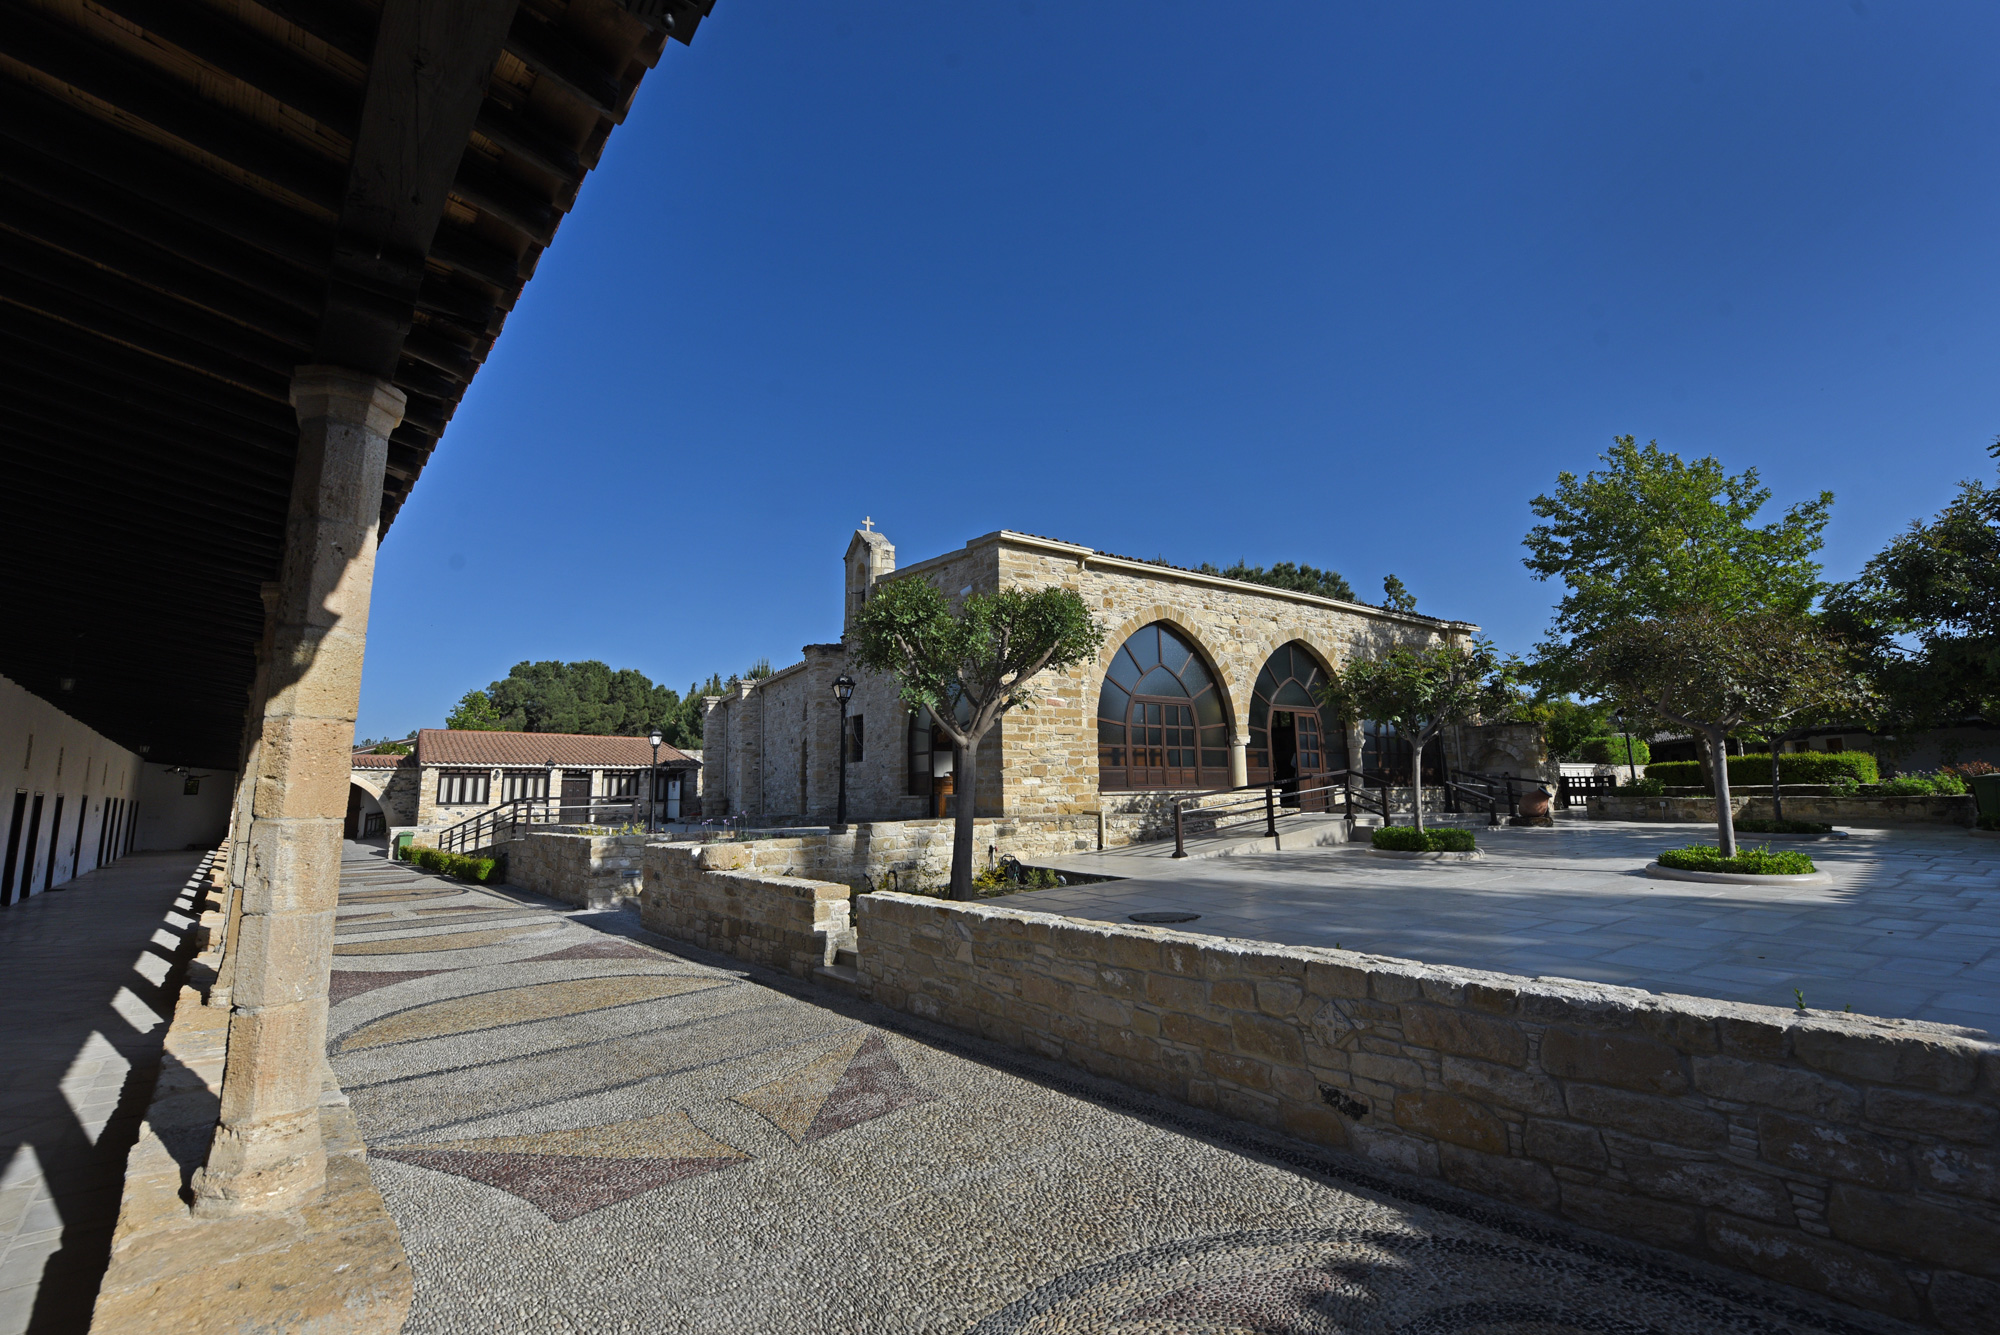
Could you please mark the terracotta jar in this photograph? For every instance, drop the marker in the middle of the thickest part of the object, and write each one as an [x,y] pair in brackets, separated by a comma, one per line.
[1535,803]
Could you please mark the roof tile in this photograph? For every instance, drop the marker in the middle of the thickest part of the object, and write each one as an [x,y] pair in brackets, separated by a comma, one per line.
[451,746]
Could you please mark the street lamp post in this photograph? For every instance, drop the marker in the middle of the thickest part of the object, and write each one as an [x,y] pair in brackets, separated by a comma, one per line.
[843,691]
[1631,767]
[653,785]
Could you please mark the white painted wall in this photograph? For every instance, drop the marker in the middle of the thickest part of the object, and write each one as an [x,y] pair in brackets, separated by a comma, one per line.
[46,753]
[171,817]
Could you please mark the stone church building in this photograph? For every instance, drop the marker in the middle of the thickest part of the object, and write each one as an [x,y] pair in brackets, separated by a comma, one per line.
[1203,683]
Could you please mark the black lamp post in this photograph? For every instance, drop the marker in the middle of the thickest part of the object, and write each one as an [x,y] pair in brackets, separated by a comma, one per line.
[843,691]
[653,785]
[1631,768]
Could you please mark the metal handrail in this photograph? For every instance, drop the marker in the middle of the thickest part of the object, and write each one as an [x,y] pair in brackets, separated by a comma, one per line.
[1331,781]
[497,824]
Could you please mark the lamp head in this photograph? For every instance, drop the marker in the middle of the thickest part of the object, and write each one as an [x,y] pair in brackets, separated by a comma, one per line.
[843,688]
[656,737]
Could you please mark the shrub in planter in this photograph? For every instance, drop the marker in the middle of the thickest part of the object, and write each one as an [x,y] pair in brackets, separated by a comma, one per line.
[1610,750]
[1403,839]
[1646,787]
[1748,861]
[1782,827]
[1940,784]
[455,864]
[1754,770]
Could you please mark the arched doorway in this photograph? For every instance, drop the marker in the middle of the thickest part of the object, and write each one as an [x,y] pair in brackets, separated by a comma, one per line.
[1290,738]
[1160,721]
[365,818]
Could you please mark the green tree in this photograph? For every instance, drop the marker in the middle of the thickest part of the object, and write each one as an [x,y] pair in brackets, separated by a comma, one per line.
[983,657]
[1422,692]
[1926,611]
[1567,723]
[1396,597]
[474,713]
[1714,673]
[1651,535]
[586,697]
[1286,575]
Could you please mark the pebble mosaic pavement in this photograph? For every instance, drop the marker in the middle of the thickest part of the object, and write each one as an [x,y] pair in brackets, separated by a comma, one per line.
[580,1127]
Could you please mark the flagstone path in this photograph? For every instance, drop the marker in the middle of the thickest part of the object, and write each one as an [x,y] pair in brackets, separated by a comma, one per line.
[579,1127]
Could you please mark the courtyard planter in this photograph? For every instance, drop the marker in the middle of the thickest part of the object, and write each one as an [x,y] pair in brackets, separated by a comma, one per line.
[1750,866]
[1656,871]
[1444,844]
[1472,856]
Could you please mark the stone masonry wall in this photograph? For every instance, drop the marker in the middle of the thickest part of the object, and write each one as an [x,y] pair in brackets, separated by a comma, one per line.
[696,893]
[1858,1158]
[1863,811]
[917,851]
[589,871]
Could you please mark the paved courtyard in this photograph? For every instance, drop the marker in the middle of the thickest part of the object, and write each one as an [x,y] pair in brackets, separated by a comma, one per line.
[1909,927]
[579,1127]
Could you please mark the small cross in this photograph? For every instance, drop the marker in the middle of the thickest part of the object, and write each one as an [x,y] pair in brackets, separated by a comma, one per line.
[868,524]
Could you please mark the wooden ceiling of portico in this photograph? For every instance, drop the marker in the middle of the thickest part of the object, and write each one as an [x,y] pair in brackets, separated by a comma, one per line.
[198,196]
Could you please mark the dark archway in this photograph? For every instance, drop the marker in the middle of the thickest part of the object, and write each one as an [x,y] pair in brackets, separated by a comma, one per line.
[1160,719]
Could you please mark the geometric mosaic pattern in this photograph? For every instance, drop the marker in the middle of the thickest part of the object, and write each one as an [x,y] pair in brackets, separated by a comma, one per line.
[857,1082]
[424,945]
[344,984]
[520,1005]
[569,1173]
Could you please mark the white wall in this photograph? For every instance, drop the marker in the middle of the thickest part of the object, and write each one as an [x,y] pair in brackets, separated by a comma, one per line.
[46,753]
[171,817]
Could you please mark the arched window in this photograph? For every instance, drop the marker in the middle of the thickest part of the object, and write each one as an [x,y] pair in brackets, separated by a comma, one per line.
[1159,717]
[1289,736]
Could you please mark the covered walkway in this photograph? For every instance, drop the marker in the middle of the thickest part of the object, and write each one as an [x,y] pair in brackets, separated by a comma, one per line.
[81,973]
[581,1127]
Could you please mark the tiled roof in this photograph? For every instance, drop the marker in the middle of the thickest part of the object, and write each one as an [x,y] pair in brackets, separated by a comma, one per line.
[450,746]
[369,760]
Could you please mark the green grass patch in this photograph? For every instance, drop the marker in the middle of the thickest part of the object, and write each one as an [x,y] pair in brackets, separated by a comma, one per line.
[1782,827]
[1403,839]
[1748,861]
[455,864]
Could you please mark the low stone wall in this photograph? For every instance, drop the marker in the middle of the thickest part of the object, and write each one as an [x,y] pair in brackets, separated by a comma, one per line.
[918,852]
[1858,1158]
[705,894]
[588,870]
[1862,811]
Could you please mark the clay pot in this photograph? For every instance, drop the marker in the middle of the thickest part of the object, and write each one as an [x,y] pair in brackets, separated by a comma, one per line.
[1535,803]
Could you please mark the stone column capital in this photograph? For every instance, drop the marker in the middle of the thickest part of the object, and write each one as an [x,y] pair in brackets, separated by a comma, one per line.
[347,396]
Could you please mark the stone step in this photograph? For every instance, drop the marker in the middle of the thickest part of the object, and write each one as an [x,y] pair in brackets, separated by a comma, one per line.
[847,958]
[841,977]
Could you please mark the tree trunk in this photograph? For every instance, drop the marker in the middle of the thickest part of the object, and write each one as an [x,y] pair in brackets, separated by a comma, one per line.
[1725,822]
[1777,797]
[1704,754]
[963,836]
[1417,783]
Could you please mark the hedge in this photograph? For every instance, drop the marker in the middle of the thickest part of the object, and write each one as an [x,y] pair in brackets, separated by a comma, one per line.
[1755,770]
[1611,751]
[454,864]
[1749,861]
[1404,839]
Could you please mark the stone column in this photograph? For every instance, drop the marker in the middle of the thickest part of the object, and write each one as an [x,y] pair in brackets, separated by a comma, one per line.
[1239,760]
[267,1153]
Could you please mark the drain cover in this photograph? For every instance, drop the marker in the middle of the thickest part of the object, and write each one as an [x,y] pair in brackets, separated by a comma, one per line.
[1164,917]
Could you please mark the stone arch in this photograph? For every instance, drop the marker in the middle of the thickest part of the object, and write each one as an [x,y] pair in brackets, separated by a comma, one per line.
[1176,619]
[1162,710]
[361,805]
[1329,735]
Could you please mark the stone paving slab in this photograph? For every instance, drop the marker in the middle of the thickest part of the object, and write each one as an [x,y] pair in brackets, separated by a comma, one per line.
[81,969]
[598,1130]
[1908,929]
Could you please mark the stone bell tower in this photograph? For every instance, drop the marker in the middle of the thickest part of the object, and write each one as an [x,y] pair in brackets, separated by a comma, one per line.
[869,557]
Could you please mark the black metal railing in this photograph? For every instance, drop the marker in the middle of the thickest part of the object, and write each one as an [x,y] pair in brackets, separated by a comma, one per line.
[498,824]
[1575,790]
[1338,792]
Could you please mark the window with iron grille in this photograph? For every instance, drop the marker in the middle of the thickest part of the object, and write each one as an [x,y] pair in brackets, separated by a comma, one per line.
[457,788]
[624,784]
[516,784]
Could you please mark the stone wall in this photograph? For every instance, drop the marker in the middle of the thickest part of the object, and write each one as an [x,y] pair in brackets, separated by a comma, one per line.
[918,852]
[1862,811]
[697,893]
[1858,1158]
[589,871]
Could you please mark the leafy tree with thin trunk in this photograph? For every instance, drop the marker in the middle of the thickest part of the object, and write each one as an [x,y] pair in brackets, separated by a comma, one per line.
[974,663]
[475,713]
[1651,534]
[1422,691]
[1714,673]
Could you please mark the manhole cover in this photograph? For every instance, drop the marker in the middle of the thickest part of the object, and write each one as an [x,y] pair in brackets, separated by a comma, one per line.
[1164,917]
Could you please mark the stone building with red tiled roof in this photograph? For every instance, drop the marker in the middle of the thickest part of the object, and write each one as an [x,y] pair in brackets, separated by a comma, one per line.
[452,775]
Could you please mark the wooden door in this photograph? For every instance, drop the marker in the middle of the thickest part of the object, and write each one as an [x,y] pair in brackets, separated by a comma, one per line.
[576,797]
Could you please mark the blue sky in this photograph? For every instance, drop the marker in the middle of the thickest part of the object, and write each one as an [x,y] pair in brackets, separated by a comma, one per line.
[1335,283]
